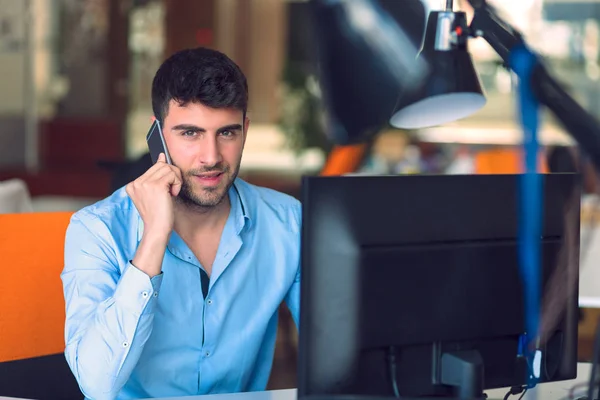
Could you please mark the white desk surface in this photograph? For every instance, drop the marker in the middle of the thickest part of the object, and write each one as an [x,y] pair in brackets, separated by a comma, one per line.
[284,394]
[545,391]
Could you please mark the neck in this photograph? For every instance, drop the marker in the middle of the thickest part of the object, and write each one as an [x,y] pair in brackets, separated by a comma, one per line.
[191,220]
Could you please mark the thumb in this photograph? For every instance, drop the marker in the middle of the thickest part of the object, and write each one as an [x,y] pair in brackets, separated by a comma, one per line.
[161,157]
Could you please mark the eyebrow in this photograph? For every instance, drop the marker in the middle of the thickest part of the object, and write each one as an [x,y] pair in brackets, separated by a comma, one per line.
[195,128]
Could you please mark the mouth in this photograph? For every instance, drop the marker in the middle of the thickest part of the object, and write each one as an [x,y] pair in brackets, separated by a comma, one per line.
[210,178]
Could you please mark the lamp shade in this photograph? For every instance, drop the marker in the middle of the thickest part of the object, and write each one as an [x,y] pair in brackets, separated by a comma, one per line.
[452,89]
[365,58]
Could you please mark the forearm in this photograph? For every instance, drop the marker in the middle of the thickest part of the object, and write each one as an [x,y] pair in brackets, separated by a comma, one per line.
[150,253]
[105,347]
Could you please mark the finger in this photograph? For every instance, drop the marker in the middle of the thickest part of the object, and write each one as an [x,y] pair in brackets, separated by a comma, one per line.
[161,158]
[168,176]
[162,173]
[177,172]
[176,185]
[157,171]
[175,180]
[151,172]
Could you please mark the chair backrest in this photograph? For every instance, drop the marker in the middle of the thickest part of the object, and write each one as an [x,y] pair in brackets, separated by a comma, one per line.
[504,161]
[32,309]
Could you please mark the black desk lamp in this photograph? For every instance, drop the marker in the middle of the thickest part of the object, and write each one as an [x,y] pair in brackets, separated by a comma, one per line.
[366,56]
[486,23]
[452,89]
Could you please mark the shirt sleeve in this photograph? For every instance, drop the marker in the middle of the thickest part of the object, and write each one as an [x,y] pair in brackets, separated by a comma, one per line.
[292,299]
[109,313]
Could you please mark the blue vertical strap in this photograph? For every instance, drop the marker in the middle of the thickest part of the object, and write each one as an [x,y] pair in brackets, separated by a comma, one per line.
[523,62]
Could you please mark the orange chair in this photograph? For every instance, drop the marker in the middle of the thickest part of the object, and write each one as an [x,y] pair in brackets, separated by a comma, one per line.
[344,159]
[504,161]
[32,315]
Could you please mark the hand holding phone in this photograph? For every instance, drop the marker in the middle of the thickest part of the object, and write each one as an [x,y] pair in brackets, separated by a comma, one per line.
[152,194]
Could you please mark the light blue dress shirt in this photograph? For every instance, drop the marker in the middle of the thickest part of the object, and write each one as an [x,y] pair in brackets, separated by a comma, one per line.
[129,336]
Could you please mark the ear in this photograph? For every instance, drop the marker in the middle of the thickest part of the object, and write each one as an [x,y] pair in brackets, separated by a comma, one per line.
[246,125]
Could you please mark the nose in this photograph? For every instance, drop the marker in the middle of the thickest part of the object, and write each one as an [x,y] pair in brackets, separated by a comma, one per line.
[210,154]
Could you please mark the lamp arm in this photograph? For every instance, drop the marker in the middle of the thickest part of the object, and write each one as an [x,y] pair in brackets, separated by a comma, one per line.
[578,122]
[582,125]
[488,25]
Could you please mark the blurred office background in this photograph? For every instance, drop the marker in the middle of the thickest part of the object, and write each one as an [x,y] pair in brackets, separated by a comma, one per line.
[75,78]
[76,75]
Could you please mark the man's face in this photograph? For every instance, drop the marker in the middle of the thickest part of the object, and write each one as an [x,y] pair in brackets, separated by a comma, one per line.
[207,145]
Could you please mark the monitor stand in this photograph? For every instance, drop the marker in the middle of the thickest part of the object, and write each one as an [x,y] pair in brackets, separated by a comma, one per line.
[462,370]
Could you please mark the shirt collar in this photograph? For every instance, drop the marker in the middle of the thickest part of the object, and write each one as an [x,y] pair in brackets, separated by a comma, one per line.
[239,206]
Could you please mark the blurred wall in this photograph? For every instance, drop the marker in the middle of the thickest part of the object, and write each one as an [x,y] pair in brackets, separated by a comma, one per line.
[252,32]
[13,56]
[82,73]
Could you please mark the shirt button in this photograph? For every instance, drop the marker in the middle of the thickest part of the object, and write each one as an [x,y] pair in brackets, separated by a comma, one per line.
[207,354]
[155,294]
[209,302]
[144,294]
[125,344]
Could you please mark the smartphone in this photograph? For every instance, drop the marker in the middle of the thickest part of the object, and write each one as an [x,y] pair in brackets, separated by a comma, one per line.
[156,142]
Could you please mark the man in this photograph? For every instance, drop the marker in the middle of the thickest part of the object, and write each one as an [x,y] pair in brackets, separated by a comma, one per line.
[172,284]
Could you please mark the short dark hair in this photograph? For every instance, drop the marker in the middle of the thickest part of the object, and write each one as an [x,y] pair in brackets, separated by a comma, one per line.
[199,75]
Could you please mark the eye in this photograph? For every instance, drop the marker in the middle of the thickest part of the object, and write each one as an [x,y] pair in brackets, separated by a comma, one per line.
[188,133]
[227,134]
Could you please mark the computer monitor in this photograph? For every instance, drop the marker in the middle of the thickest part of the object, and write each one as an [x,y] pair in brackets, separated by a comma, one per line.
[407,280]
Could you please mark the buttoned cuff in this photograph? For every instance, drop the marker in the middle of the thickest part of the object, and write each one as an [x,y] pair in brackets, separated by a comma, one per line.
[136,291]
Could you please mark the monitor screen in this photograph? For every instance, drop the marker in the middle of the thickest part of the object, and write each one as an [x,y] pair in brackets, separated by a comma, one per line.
[404,276]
